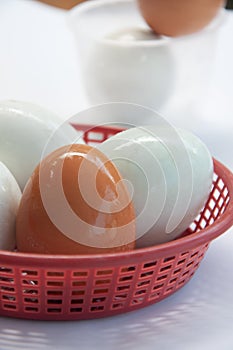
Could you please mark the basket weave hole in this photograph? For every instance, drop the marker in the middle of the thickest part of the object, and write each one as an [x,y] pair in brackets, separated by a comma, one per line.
[143,283]
[165,268]
[7,289]
[102,282]
[212,204]
[194,254]
[216,194]
[79,283]
[125,278]
[146,274]
[225,193]
[219,183]
[9,306]
[78,292]
[136,301]
[101,291]
[207,214]
[54,292]
[184,254]
[8,297]
[123,287]
[158,286]
[168,259]
[168,290]
[193,227]
[54,283]
[154,296]
[126,269]
[117,306]
[104,272]
[161,278]
[29,272]
[221,202]
[54,301]
[54,310]
[140,292]
[181,262]
[98,300]
[6,280]
[31,300]
[97,308]
[118,297]
[203,223]
[76,309]
[6,271]
[185,273]
[173,280]
[181,282]
[95,136]
[31,309]
[190,263]
[216,212]
[80,273]
[30,282]
[77,301]
[56,274]
[149,265]
[176,271]
[30,292]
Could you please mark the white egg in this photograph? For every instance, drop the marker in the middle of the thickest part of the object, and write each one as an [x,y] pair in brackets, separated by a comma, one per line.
[171,173]
[10,195]
[28,132]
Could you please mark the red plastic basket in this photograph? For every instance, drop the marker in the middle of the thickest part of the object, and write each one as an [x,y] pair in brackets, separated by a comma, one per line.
[61,287]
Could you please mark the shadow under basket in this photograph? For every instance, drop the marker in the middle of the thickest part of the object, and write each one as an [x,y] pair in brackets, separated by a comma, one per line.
[64,287]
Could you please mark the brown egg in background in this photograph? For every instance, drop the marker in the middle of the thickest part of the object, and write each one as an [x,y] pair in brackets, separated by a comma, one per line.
[64,4]
[42,201]
[179,17]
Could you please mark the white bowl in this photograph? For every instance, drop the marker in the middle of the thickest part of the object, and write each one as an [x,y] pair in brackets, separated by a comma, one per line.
[121,59]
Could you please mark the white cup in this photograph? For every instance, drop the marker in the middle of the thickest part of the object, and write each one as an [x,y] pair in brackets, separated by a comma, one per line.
[121,59]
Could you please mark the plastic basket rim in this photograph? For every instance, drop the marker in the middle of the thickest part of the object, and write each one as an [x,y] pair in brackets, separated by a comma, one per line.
[222,224]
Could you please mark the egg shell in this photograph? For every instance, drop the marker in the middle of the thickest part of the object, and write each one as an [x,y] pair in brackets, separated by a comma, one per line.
[179,17]
[62,210]
[25,129]
[171,172]
[10,195]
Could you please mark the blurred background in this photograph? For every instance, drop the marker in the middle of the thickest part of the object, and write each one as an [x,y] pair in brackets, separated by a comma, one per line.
[229,4]
[68,4]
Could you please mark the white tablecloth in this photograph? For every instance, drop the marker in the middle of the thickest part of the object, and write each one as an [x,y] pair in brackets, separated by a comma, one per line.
[38,63]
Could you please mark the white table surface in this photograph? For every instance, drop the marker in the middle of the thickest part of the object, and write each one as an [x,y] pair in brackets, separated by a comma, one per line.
[38,63]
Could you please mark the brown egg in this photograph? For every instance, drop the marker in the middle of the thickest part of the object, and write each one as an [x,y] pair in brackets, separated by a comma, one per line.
[64,4]
[75,203]
[179,17]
